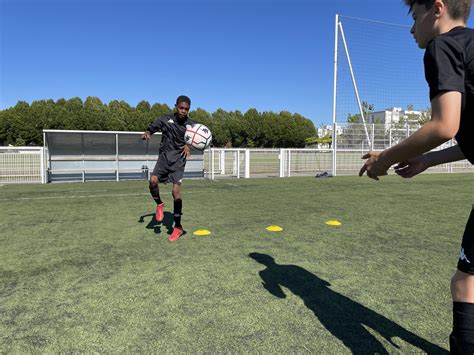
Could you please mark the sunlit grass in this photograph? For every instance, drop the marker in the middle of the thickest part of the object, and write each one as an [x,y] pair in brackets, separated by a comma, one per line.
[84,267]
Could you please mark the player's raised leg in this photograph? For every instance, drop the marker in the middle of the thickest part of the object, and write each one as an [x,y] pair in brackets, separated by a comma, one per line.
[178,207]
[155,193]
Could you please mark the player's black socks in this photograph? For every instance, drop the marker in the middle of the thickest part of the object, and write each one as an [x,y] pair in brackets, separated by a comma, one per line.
[155,193]
[461,340]
[178,207]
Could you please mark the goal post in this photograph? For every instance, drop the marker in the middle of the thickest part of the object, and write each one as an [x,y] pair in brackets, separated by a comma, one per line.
[379,85]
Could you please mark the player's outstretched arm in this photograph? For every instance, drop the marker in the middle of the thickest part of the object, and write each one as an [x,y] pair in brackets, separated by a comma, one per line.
[152,128]
[444,124]
[415,166]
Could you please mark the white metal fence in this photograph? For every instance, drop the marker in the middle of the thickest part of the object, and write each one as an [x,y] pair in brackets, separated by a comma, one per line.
[36,165]
[251,163]
[341,158]
[22,165]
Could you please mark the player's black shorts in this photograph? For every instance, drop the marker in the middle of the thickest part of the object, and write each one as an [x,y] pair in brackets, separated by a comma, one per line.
[167,172]
[466,256]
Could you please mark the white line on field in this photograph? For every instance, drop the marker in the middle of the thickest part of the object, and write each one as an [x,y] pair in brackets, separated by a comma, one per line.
[227,183]
[85,191]
[68,196]
[86,196]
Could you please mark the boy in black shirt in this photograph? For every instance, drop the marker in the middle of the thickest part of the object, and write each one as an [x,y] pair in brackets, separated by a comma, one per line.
[171,160]
[440,27]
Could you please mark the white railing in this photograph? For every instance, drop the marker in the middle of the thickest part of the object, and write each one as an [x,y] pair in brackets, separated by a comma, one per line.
[250,163]
[29,164]
[20,165]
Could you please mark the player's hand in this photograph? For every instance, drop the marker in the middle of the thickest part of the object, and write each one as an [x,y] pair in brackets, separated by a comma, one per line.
[146,136]
[412,167]
[374,165]
[185,151]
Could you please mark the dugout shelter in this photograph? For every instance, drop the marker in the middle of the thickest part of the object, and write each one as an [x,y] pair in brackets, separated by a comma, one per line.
[75,155]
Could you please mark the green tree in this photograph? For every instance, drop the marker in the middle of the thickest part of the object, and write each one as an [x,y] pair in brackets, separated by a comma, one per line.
[220,133]
[158,110]
[43,114]
[94,115]
[201,116]
[304,129]
[353,118]
[143,106]
[20,125]
[117,120]
[74,108]
[24,123]
[237,130]
[253,126]
[366,109]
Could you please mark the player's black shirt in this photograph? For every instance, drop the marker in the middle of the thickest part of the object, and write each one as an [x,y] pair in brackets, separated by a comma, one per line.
[449,66]
[173,130]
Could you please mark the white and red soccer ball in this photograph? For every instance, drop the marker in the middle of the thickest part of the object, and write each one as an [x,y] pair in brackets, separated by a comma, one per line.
[198,136]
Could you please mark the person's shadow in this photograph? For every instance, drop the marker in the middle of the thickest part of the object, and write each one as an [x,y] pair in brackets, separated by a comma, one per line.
[345,319]
[153,224]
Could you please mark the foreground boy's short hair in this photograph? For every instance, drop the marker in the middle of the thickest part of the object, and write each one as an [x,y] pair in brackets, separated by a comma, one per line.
[458,9]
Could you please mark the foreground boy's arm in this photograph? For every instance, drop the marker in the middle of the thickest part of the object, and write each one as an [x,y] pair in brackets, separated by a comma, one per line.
[444,124]
[412,167]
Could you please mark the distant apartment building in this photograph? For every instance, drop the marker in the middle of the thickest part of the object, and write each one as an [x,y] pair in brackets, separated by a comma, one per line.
[392,116]
[326,131]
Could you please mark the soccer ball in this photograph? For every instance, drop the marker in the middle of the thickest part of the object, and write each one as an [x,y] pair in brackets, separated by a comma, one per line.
[198,136]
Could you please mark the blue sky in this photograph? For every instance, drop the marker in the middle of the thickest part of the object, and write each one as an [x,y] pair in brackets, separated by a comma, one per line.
[231,54]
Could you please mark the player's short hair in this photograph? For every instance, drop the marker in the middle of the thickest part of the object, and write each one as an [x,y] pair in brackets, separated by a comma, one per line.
[457,9]
[183,98]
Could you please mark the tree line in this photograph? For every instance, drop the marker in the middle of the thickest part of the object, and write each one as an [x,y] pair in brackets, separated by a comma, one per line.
[23,123]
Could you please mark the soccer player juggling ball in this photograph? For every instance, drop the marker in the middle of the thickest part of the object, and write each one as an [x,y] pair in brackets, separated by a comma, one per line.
[440,28]
[171,160]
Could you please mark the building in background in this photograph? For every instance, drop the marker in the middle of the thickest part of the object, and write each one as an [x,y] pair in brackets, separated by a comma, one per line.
[395,115]
[326,130]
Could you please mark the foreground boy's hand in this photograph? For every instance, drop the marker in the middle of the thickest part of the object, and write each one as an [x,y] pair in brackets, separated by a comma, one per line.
[185,151]
[375,166]
[412,167]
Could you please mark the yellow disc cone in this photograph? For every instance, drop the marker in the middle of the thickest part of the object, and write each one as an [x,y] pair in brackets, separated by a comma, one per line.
[333,222]
[274,228]
[202,232]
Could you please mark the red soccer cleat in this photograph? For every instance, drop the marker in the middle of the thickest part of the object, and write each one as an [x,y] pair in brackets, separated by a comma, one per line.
[160,212]
[177,233]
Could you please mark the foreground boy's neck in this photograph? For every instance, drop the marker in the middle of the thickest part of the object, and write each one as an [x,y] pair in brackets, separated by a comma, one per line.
[450,24]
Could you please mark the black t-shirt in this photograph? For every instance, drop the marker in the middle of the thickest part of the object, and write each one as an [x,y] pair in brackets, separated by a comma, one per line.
[173,130]
[449,66]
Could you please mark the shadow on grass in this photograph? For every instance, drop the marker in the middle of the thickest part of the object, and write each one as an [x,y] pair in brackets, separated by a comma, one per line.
[345,319]
[153,224]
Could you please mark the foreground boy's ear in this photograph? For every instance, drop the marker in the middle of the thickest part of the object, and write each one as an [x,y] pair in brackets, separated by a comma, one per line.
[438,7]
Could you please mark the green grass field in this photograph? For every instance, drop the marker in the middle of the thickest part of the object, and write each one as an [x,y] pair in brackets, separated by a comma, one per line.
[84,268]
